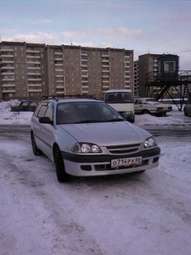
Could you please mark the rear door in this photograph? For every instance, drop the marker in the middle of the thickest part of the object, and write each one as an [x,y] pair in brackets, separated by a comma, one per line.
[47,130]
[37,126]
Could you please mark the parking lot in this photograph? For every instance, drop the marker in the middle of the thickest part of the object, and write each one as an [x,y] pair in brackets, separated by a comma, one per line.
[127,214]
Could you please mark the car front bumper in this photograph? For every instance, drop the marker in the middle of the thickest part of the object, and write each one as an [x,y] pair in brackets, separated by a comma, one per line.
[95,165]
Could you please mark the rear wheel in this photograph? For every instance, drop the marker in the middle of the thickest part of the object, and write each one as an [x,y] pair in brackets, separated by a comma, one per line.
[62,176]
[185,113]
[35,149]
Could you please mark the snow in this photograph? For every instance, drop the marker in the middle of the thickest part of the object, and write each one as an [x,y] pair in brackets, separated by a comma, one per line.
[173,118]
[13,118]
[132,214]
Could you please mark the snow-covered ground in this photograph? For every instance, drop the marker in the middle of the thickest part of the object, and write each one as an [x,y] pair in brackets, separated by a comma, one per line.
[174,118]
[148,214]
[13,118]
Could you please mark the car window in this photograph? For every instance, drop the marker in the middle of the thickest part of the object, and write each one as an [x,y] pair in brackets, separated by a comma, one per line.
[85,112]
[25,104]
[37,109]
[118,97]
[49,112]
[42,111]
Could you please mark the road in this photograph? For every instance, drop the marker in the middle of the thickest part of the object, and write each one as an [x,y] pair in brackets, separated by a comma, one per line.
[174,131]
[129,214]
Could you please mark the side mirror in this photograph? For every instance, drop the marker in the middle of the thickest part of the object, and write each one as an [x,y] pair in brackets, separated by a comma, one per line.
[45,120]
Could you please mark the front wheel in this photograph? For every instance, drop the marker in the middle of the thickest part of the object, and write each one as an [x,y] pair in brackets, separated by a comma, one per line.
[62,176]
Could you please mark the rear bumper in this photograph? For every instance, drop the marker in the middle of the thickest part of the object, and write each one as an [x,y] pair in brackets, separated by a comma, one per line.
[83,165]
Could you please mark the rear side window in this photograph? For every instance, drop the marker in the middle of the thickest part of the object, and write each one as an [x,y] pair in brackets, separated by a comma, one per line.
[37,110]
[42,111]
[49,112]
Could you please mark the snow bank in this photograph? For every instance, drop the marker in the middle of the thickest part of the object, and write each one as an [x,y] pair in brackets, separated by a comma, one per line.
[173,118]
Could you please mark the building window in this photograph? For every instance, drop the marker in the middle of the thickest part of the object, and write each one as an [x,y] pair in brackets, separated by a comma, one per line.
[169,66]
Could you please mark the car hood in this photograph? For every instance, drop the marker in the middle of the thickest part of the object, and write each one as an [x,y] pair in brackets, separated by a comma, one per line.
[111,133]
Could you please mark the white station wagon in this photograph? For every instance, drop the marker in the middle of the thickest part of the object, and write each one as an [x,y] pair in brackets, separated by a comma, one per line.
[86,137]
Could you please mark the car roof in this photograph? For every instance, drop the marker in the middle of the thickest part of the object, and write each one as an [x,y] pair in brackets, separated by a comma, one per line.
[117,90]
[64,100]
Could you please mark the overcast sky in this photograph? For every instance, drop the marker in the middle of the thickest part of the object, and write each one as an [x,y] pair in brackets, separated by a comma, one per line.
[155,26]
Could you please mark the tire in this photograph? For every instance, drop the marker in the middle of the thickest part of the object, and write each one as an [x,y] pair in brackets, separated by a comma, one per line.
[62,176]
[35,149]
[185,113]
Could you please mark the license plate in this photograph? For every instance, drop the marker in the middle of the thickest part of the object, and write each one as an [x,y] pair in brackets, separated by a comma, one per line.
[115,163]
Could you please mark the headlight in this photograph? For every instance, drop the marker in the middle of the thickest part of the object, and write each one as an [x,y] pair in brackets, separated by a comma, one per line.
[86,148]
[149,142]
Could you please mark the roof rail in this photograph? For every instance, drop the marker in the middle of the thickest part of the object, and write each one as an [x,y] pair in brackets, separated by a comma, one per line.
[67,96]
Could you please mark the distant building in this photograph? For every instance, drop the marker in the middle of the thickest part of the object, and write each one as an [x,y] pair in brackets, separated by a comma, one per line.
[155,70]
[185,77]
[136,78]
[36,70]
[22,70]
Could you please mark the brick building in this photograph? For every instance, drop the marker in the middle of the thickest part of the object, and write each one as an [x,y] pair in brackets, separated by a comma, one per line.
[36,70]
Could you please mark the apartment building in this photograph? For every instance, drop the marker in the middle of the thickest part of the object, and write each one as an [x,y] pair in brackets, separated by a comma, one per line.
[22,70]
[36,70]
[75,70]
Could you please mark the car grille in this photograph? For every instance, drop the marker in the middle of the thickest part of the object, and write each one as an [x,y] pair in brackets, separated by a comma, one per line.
[123,149]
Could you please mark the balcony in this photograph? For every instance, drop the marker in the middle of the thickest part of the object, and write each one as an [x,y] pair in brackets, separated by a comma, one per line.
[58,64]
[34,85]
[7,61]
[8,79]
[105,71]
[59,70]
[59,75]
[105,87]
[84,53]
[4,91]
[59,87]
[8,73]
[7,67]
[58,59]
[105,76]
[105,61]
[105,55]
[104,65]
[7,55]
[60,92]
[34,79]
[59,81]
[32,51]
[126,57]
[83,65]
[84,81]
[84,75]
[58,53]
[7,49]
[8,85]
[33,57]
[35,90]
[33,73]
[33,62]
[105,81]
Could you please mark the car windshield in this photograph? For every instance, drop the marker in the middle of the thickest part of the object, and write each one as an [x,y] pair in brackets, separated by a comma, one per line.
[85,112]
[118,97]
